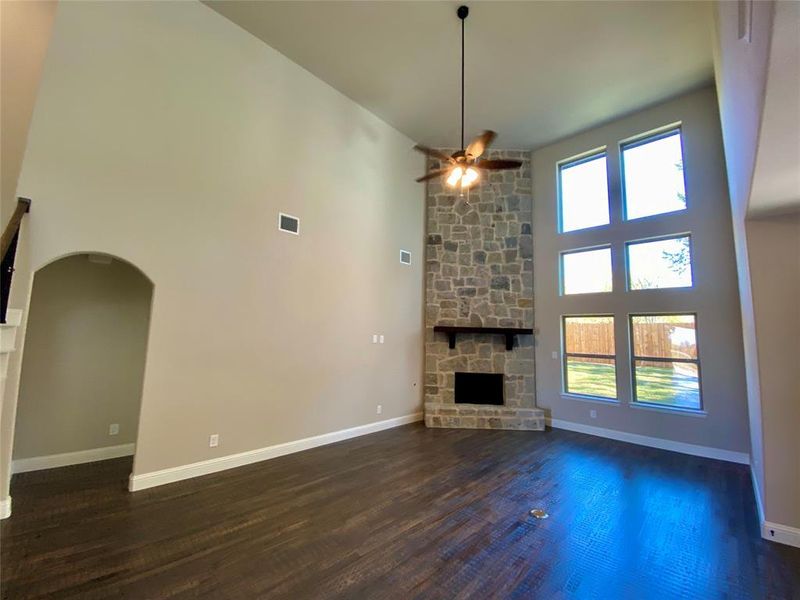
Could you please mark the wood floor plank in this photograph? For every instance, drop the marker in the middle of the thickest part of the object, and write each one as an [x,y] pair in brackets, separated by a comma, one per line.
[404,513]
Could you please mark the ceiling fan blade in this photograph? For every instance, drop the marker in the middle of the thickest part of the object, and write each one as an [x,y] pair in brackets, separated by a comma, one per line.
[432,174]
[433,153]
[479,145]
[498,165]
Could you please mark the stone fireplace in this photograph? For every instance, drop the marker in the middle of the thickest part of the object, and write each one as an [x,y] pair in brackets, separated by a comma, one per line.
[479,274]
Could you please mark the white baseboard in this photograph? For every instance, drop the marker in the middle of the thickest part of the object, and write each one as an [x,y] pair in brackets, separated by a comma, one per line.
[783,534]
[37,463]
[5,508]
[653,442]
[774,532]
[214,465]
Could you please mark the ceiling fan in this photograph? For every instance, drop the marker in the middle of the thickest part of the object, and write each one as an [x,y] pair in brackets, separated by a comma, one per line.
[463,166]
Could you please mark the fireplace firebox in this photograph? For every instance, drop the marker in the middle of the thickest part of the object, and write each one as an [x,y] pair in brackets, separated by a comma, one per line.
[479,388]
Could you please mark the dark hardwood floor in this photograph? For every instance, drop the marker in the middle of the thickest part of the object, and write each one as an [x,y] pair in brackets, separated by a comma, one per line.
[406,513]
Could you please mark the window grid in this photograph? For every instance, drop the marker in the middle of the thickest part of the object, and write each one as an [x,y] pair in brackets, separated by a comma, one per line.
[654,188]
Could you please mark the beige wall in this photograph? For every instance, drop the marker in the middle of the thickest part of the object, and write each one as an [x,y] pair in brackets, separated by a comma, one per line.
[741,73]
[713,297]
[774,251]
[24,34]
[84,357]
[776,174]
[166,135]
[759,119]
[740,68]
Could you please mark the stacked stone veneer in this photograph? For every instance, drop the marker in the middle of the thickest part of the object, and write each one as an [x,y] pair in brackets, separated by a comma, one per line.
[479,272]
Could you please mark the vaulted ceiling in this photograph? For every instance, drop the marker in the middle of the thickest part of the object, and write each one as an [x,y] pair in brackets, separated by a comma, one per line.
[536,71]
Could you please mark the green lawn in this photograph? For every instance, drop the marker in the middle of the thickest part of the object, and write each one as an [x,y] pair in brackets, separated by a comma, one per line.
[656,385]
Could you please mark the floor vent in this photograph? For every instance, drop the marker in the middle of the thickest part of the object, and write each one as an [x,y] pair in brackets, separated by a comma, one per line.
[288,223]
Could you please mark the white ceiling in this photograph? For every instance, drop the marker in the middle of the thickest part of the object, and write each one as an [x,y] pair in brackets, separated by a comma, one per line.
[536,71]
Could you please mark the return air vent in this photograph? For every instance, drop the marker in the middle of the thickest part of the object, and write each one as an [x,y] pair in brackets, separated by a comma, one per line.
[288,223]
[405,257]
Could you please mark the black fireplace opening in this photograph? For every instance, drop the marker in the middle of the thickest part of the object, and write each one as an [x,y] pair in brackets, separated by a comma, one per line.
[479,388]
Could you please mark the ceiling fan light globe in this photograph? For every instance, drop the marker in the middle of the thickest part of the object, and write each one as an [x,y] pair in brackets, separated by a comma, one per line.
[470,176]
[455,176]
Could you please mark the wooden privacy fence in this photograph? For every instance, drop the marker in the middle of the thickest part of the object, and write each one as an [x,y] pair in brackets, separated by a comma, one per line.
[652,339]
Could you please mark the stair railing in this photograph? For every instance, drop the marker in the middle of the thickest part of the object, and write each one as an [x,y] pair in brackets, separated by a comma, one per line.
[8,250]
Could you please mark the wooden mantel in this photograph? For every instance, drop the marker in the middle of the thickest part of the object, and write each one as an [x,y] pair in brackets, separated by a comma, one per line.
[509,332]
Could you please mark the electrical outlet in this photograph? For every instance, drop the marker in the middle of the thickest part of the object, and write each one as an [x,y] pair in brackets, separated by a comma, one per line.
[374,338]
[381,338]
[113,429]
[213,440]
[593,414]
[379,409]
[555,355]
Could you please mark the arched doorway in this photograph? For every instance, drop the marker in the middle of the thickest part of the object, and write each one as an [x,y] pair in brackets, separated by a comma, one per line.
[83,363]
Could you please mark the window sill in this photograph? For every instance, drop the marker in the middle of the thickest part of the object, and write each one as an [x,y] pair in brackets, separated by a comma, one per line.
[596,399]
[690,412]
[677,288]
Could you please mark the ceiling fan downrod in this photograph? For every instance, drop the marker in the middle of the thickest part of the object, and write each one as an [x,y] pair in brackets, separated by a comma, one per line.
[464,166]
[462,12]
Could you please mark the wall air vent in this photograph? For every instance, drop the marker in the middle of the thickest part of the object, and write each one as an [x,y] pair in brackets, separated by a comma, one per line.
[288,223]
[405,257]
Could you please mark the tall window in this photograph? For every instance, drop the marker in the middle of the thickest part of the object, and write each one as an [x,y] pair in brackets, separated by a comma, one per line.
[583,192]
[653,175]
[665,263]
[589,356]
[666,366]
